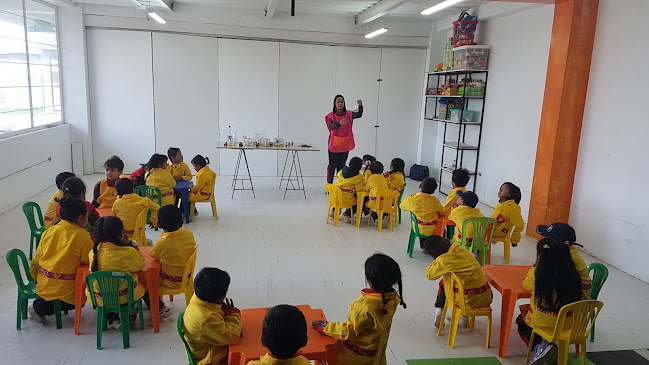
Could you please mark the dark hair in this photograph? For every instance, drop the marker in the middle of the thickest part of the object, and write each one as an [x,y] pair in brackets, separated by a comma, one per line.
[211,284]
[355,163]
[436,245]
[172,152]
[556,274]
[106,229]
[201,161]
[460,177]
[284,331]
[376,167]
[60,179]
[114,162]
[428,185]
[344,108]
[369,158]
[72,208]
[157,161]
[170,218]
[73,186]
[514,192]
[383,272]
[124,186]
[397,165]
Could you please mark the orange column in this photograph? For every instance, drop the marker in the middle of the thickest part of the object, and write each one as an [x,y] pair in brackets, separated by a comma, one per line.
[571,50]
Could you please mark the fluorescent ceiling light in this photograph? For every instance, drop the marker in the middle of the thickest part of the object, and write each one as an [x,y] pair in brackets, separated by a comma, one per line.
[438,7]
[376,32]
[157,17]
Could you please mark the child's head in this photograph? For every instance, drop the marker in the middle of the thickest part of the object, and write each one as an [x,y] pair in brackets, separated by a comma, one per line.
[60,179]
[114,167]
[74,210]
[75,187]
[382,273]
[124,186]
[157,161]
[174,154]
[376,167]
[460,178]
[368,159]
[436,246]
[284,331]
[355,164]
[509,191]
[557,280]
[211,284]
[428,185]
[561,232]
[170,218]
[467,198]
[397,165]
[108,229]
[199,162]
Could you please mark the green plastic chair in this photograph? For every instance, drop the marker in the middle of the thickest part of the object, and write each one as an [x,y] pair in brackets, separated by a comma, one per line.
[399,202]
[109,283]
[27,288]
[36,231]
[152,193]
[482,233]
[600,274]
[414,233]
[179,325]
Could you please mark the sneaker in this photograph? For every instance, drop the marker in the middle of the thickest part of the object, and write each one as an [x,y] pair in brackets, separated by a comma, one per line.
[386,222]
[514,244]
[464,321]
[149,242]
[36,317]
[538,349]
[331,214]
[195,212]
[345,218]
[116,325]
[547,356]
[165,312]
[438,316]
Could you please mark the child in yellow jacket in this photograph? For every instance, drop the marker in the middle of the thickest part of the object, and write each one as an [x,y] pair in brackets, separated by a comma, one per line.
[365,168]
[466,208]
[104,192]
[176,166]
[160,178]
[508,214]
[284,334]
[204,187]
[459,180]
[50,214]
[451,258]
[395,177]
[211,322]
[63,248]
[129,206]
[426,208]
[370,315]
[374,185]
[113,251]
[349,180]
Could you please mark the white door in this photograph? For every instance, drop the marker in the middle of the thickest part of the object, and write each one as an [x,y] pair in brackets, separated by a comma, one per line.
[248,99]
[306,78]
[121,96]
[185,70]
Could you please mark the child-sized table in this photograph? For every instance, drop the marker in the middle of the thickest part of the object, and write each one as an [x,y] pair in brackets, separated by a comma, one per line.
[182,187]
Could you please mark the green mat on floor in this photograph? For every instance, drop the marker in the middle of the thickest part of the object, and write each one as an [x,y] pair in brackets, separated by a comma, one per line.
[460,361]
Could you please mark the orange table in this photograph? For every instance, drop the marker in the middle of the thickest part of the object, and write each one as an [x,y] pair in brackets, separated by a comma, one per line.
[105,212]
[149,277]
[508,280]
[249,347]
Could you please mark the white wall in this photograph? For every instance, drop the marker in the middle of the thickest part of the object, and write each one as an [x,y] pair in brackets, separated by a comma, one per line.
[609,204]
[32,162]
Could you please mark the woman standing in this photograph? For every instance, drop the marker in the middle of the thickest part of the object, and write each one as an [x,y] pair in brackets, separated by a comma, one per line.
[341,138]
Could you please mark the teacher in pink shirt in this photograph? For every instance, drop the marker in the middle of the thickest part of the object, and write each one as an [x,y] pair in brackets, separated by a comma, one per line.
[341,137]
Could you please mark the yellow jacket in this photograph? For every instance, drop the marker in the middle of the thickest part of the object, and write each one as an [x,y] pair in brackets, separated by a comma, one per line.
[352,185]
[204,187]
[107,194]
[461,262]
[180,171]
[451,198]
[162,180]
[396,181]
[426,208]
[536,318]
[49,218]
[63,248]
[129,206]
[366,174]
[508,215]
[268,359]
[126,259]
[173,250]
[582,268]
[364,326]
[374,185]
[209,331]
[459,215]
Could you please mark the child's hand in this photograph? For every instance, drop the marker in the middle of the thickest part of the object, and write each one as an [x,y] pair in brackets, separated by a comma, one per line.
[153,225]
[228,307]
[317,323]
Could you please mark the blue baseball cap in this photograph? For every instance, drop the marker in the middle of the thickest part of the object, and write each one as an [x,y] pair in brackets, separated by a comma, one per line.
[469,198]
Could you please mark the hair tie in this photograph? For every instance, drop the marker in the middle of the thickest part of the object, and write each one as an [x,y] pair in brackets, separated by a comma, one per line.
[94,256]
[384,309]
[402,303]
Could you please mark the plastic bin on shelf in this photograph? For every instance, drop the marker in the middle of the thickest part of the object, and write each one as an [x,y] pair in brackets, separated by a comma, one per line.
[467,116]
[471,57]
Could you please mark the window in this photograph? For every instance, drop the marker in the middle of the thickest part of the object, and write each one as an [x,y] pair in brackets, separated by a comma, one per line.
[30,92]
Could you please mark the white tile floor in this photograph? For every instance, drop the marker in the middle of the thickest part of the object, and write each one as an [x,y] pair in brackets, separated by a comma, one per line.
[280,251]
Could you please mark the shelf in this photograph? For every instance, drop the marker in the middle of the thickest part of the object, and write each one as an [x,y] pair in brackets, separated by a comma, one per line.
[445,186]
[460,146]
[449,170]
[454,96]
[450,121]
[457,72]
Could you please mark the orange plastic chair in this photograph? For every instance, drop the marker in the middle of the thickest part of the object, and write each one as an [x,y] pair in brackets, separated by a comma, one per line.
[582,313]
[187,285]
[335,197]
[507,243]
[457,302]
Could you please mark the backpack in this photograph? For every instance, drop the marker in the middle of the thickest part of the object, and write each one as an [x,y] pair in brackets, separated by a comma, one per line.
[419,172]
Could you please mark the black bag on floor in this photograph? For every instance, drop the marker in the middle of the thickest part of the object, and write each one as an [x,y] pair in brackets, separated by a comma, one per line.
[419,172]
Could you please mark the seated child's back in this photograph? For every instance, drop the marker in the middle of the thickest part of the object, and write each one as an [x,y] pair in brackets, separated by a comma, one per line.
[395,177]
[129,206]
[375,184]
[159,177]
[425,206]
[50,214]
[283,333]
[349,180]
[466,208]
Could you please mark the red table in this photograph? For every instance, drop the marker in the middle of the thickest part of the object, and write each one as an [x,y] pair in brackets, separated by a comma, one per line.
[508,280]
[105,212]
[149,277]
[249,347]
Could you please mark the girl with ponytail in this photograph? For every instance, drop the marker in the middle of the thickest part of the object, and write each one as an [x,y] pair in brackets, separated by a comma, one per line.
[369,316]
[205,177]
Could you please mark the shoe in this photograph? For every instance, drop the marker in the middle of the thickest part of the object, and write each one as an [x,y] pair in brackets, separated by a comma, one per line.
[386,222]
[345,218]
[547,356]
[331,214]
[537,350]
[514,244]
[149,242]
[464,321]
[165,312]
[116,325]
[494,242]
[36,317]
[438,316]
[195,212]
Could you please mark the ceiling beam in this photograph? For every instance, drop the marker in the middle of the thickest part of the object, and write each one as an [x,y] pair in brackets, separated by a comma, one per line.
[169,4]
[270,8]
[64,3]
[377,10]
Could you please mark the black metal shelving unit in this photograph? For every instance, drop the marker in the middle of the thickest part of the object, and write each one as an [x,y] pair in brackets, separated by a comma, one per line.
[435,80]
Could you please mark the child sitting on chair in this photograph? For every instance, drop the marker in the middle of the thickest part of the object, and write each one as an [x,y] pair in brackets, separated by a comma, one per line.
[160,178]
[374,185]
[205,178]
[365,168]
[104,192]
[349,180]
[129,206]
[176,166]
[75,187]
[284,334]
[508,214]
[50,214]
[395,178]
[426,208]
[465,209]
[459,180]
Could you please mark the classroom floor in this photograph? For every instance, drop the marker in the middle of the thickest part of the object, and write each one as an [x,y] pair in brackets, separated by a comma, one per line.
[280,251]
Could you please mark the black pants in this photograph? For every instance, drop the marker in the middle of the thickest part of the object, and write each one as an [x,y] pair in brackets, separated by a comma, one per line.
[421,242]
[337,161]
[147,301]
[525,332]
[44,307]
[441,296]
